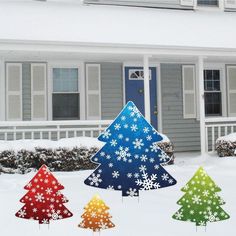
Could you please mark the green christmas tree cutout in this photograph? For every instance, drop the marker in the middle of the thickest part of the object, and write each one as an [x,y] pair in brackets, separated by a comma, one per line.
[201,202]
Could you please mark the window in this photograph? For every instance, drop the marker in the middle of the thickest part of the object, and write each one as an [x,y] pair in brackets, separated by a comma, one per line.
[213,96]
[207,2]
[66,97]
[138,74]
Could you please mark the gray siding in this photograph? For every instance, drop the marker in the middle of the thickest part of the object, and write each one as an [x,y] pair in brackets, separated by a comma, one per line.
[111,90]
[184,133]
[26,90]
[175,4]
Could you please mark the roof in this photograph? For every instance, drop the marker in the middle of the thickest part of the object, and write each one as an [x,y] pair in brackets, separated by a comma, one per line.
[70,21]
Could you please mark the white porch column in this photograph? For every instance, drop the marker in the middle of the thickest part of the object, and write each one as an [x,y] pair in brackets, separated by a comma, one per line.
[146,88]
[201,103]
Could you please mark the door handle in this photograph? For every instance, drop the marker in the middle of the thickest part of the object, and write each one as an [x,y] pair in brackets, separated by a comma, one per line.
[155,112]
[140,90]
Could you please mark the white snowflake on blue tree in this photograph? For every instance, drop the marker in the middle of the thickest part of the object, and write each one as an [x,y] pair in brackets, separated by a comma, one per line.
[135,159]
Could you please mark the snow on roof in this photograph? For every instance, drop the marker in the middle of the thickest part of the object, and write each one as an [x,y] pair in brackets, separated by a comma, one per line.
[71,21]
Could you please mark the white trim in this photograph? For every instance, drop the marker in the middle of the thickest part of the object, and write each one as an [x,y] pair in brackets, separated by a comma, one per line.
[81,87]
[159,99]
[95,92]
[14,93]
[201,104]
[2,92]
[147,98]
[192,91]
[39,92]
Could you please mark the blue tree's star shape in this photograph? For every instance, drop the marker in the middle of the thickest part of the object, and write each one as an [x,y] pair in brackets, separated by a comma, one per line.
[130,160]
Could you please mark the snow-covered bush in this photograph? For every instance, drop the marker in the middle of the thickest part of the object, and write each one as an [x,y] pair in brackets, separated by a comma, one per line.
[71,154]
[226,145]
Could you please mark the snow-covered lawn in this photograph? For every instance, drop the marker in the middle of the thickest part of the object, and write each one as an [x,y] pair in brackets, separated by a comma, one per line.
[150,216]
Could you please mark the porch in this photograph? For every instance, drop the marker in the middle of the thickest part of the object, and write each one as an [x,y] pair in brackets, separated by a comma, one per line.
[179,103]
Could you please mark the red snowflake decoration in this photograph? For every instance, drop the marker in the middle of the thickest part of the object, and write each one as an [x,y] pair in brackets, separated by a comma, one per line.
[44,201]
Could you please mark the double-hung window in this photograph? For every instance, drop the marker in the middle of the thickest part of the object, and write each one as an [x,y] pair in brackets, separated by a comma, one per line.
[213,95]
[66,96]
[207,2]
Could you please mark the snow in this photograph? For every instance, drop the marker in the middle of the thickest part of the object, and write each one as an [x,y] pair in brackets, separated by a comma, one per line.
[30,145]
[228,138]
[150,216]
[69,143]
[71,21]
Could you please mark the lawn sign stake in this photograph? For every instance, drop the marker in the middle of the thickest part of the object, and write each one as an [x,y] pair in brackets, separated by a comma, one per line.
[201,203]
[44,201]
[96,216]
[130,160]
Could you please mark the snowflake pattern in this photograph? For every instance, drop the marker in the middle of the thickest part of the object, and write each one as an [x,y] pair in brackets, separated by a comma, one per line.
[201,202]
[44,201]
[131,144]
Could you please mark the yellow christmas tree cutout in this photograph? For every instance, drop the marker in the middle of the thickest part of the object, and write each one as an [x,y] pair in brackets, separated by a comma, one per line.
[96,216]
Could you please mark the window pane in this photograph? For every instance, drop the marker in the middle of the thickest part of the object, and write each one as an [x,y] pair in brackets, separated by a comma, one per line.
[65,80]
[65,106]
[208,2]
[212,80]
[212,103]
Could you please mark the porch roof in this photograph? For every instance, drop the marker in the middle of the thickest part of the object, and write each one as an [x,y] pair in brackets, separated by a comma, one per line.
[68,21]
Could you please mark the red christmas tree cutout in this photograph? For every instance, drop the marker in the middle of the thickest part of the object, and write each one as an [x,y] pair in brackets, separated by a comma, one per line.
[44,201]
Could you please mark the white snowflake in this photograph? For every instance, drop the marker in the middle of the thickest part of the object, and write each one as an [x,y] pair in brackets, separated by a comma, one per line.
[165,177]
[35,210]
[126,126]
[102,225]
[22,213]
[196,199]
[147,182]
[138,143]
[110,187]
[178,215]
[45,221]
[129,175]
[134,128]
[164,157]
[113,142]
[123,118]
[120,136]
[154,147]
[117,126]
[106,134]
[132,192]
[123,153]
[115,174]
[39,197]
[145,130]
[205,193]
[142,168]
[48,191]
[136,175]
[95,179]
[134,111]
[102,154]
[110,165]
[152,160]
[149,138]
[143,158]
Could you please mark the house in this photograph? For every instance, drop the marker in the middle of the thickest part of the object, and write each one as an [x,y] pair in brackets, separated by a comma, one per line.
[67,67]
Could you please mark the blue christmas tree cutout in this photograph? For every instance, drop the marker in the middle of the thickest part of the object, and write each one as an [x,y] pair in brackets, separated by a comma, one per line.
[130,160]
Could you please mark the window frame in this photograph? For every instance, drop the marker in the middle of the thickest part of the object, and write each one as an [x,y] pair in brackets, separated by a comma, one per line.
[81,85]
[221,68]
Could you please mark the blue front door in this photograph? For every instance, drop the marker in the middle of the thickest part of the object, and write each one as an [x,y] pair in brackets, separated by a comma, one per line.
[134,89]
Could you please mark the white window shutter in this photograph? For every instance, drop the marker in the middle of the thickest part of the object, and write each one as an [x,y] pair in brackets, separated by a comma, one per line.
[187,3]
[189,91]
[231,77]
[230,4]
[38,91]
[14,91]
[93,89]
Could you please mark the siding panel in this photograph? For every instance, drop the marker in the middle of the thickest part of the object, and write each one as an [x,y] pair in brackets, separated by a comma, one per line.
[111,90]
[184,133]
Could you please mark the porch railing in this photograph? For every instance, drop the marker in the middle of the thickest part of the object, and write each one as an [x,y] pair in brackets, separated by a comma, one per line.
[52,130]
[216,128]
